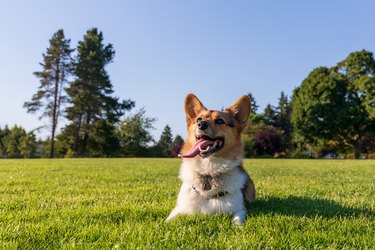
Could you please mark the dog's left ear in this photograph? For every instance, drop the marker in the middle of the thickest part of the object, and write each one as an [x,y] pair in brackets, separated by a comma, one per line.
[240,110]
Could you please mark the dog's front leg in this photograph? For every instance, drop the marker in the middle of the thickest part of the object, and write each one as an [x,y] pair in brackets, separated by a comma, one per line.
[184,202]
[239,217]
[175,212]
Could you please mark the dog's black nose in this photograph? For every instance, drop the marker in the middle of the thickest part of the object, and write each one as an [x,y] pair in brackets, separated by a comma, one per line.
[202,124]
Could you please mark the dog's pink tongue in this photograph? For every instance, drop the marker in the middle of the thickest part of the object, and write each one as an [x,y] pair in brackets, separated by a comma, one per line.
[203,144]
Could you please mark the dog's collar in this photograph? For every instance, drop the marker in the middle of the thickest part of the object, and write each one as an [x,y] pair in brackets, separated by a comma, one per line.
[217,195]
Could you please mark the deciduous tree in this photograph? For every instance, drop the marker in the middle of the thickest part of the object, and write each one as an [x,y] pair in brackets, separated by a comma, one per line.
[268,141]
[134,133]
[337,103]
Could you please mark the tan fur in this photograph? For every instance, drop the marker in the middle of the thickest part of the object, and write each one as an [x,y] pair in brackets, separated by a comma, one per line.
[235,117]
[215,182]
[248,191]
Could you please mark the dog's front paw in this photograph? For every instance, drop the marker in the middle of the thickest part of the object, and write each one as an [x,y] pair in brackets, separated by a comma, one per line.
[173,214]
[239,217]
[170,217]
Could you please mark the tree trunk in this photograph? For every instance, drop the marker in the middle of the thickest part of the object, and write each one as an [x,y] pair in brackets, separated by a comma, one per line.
[86,135]
[54,111]
[76,136]
[357,150]
[52,146]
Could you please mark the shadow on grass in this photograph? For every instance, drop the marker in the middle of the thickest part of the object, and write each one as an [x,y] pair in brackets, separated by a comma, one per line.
[304,207]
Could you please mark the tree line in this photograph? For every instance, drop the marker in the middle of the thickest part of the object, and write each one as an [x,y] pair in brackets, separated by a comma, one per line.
[330,113]
[75,86]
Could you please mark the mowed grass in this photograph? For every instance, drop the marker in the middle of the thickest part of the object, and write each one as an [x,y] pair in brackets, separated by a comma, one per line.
[122,203]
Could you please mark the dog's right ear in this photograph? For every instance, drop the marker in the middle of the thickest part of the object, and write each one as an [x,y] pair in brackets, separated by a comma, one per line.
[192,108]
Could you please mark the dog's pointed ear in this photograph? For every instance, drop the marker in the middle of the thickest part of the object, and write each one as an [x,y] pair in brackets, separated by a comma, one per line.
[192,107]
[240,110]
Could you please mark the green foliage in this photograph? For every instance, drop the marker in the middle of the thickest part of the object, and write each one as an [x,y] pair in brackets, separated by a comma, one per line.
[164,144]
[12,142]
[358,69]
[316,104]
[123,203]
[283,121]
[253,104]
[27,145]
[134,134]
[269,115]
[335,103]
[333,111]
[94,112]
[273,126]
[57,66]
[4,133]
[104,141]
[248,136]
[248,146]
[16,143]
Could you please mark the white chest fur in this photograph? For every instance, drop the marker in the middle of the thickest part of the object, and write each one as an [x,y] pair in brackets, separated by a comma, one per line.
[195,199]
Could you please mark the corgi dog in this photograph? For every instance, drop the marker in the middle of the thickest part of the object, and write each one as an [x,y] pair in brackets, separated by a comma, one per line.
[213,178]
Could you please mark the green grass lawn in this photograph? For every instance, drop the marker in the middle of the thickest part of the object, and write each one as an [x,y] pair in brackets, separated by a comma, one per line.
[122,203]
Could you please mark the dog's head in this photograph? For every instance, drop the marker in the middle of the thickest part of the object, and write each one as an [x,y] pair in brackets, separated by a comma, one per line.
[213,133]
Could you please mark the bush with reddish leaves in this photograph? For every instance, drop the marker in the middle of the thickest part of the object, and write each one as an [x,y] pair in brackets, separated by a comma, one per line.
[268,141]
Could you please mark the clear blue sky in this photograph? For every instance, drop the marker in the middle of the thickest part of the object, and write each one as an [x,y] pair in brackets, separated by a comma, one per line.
[217,49]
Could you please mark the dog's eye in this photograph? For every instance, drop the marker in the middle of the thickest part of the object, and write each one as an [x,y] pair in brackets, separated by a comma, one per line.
[219,121]
[199,120]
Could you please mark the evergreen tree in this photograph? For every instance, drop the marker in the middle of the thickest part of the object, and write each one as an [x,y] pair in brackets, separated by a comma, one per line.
[270,115]
[253,104]
[93,108]
[4,133]
[104,140]
[274,123]
[165,142]
[12,142]
[283,120]
[16,143]
[283,108]
[27,145]
[57,65]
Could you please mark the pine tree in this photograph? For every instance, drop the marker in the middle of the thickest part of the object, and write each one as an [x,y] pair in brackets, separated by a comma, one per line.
[12,142]
[165,142]
[50,98]
[27,145]
[93,107]
[253,104]
[4,133]
[283,120]
[270,115]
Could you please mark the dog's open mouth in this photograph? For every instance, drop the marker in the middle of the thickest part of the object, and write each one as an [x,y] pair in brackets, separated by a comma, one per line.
[204,146]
